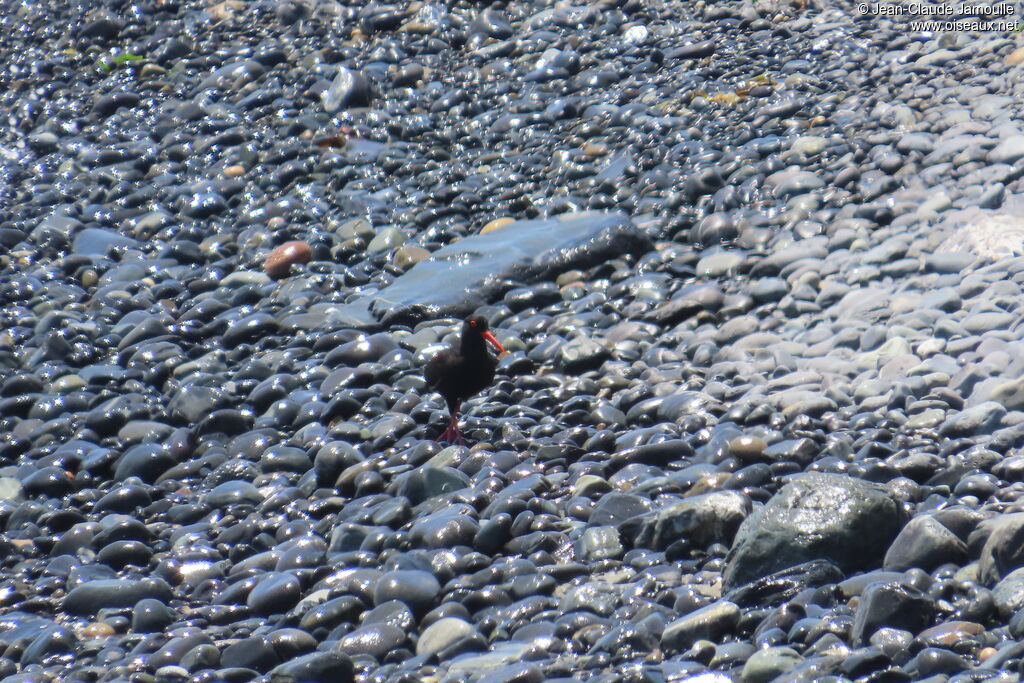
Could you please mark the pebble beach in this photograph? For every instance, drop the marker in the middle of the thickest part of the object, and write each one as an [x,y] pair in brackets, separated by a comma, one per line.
[756,266]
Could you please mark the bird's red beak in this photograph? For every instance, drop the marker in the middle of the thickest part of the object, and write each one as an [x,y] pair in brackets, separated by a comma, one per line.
[493,341]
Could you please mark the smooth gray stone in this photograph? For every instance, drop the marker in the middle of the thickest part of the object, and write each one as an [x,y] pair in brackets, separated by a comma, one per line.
[949,262]
[890,605]
[792,182]
[687,302]
[768,289]
[98,241]
[56,224]
[1009,393]
[766,665]
[984,322]
[375,640]
[1004,548]
[582,354]
[617,507]
[55,639]
[349,89]
[936,661]
[315,667]
[444,529]
[443,633]
[413,587]
[926,544]
[915,142]
[707,623]
[1009,593]
[426,482]
[1008,151]
[943,299]
[461,277]
[10,489]
[599,543]
[501,654]
[981,419]
[276,593]
[172,652]
[92,596]
[599,598]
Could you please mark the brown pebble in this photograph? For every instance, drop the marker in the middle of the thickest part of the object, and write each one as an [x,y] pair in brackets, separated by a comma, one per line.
[747,448]
[570,277]
[573,291]
[985,652]
[950,633]
[707,483]
[97,630]
[225,11]
[280,261]
[409,255]
[149,71]
[336,141]
[496,224]
[1015,57]
[234,171]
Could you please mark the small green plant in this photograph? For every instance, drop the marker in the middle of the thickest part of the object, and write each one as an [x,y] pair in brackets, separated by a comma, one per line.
[111,62]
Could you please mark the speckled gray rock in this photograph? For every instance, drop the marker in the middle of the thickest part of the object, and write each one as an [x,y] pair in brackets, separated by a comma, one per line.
[816,516]
[708,623]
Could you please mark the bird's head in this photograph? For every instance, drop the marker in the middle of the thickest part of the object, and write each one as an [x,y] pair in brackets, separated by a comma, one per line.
[476,325]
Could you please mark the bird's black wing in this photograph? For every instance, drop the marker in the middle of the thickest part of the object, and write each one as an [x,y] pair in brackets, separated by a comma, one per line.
[435,369]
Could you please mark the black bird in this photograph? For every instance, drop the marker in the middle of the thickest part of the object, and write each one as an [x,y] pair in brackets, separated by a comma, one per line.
[459,372]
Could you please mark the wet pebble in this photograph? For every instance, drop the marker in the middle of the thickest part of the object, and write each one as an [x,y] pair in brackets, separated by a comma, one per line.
[282,258]
[275,593]
[92,596]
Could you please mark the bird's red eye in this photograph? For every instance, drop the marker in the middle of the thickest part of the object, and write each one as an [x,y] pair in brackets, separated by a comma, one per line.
[472,323]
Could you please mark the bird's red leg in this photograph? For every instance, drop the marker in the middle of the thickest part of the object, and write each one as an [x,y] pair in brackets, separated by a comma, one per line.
[452,434]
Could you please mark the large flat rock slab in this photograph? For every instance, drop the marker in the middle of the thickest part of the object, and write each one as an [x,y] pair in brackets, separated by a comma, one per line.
[467,274]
